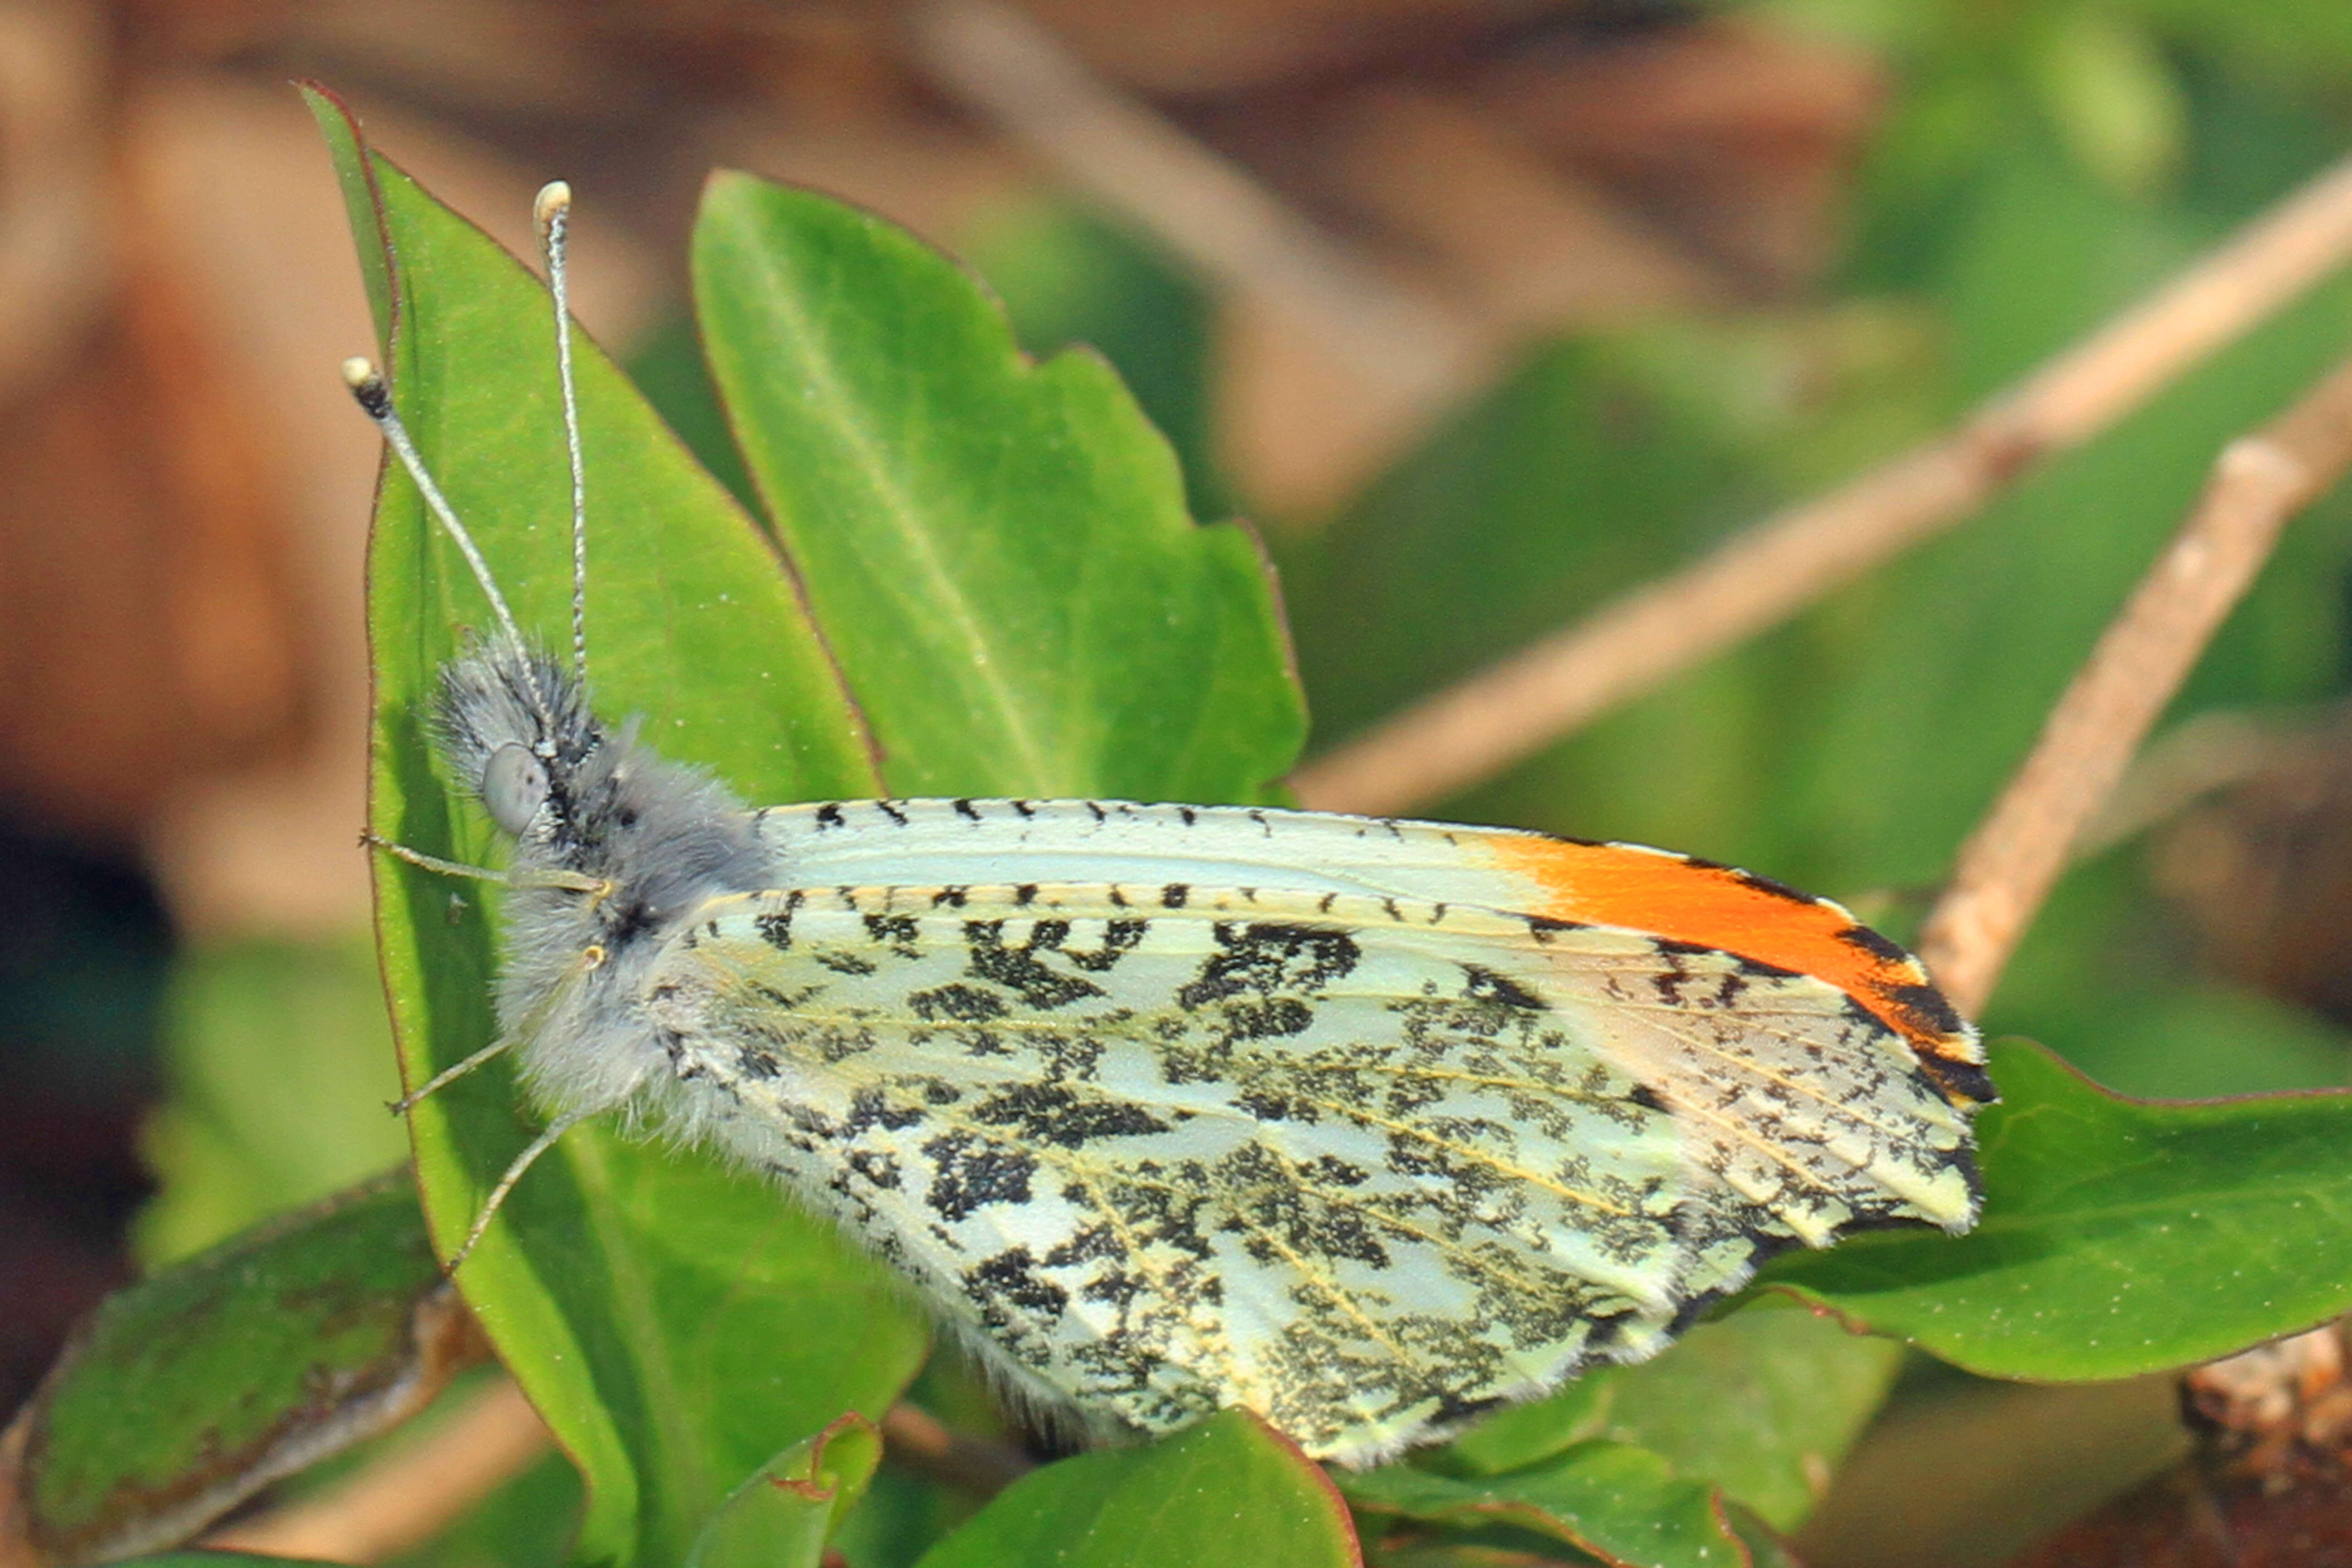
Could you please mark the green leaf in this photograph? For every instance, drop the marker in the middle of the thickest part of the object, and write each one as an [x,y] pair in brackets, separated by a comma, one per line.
[1527,1433]
[210,1560]
[1763,1404]
[1765,1547]
[1623,1504]
[189,1392]
[781,1517]
[999,552]
[1067,274]
[2119,1236]
[1225,1486]
[675,1324]
[281,1065]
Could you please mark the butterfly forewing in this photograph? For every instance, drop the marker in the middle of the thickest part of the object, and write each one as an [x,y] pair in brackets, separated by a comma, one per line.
[932,843]
[1158,852]
[1367,1164]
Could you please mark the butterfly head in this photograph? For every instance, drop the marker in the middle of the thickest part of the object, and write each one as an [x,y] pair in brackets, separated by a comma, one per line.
[515,726]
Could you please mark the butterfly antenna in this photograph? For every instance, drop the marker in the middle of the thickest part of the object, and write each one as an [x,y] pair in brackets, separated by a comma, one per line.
[374,397]
[553,212]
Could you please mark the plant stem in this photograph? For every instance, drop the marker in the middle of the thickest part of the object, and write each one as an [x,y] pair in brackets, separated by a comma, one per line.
[2008,864]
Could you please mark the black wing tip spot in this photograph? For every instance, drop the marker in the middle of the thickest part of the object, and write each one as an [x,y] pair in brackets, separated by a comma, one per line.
[1962,1083]
[1863,940]
[1925,1008]
[1175,895]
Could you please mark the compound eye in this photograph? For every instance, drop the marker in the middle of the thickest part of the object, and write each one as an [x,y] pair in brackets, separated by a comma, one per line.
[514,787]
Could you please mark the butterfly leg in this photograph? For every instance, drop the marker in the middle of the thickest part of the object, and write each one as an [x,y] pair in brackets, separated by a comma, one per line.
[593,957]
[576,881]
[449,1075]
[514,1172]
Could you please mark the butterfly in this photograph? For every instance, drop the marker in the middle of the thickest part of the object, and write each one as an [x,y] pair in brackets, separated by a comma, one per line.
[1369,1126]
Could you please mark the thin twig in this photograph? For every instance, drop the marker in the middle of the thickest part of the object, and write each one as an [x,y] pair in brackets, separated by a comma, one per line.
[407,1496]
[2008,864]
[1203,207]
[1768,573]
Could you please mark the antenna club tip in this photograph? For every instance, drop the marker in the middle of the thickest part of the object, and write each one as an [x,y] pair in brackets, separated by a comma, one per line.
[554,200]
[367,385]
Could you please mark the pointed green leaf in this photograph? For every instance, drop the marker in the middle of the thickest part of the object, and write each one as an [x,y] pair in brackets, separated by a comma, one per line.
[781,1517]
[190,1392]
[2119,1236]
[999,551]
[675,1324]
[1225,1490]
[1763,1404]
[1623,1504]
[1527,1433]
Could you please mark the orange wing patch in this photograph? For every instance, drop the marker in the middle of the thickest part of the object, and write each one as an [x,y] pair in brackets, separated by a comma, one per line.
[1707,905]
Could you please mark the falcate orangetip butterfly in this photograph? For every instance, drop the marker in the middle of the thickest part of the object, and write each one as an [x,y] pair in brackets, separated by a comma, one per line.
[1368,1126]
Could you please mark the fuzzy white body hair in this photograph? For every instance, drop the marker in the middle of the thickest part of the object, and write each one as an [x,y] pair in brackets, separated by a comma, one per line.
[665,838]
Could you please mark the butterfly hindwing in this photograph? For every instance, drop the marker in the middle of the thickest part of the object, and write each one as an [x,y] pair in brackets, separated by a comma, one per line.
[1365,1164]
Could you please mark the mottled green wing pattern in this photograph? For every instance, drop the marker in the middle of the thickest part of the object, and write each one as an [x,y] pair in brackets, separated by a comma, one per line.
[1364,1165]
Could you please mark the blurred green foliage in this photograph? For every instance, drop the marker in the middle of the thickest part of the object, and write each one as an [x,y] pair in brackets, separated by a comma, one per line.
[280,1072]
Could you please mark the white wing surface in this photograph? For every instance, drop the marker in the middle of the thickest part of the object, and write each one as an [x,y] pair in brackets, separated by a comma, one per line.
[1363,1164]
[943,843]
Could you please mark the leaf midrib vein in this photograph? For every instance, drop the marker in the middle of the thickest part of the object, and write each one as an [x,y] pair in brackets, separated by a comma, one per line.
[834,406]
